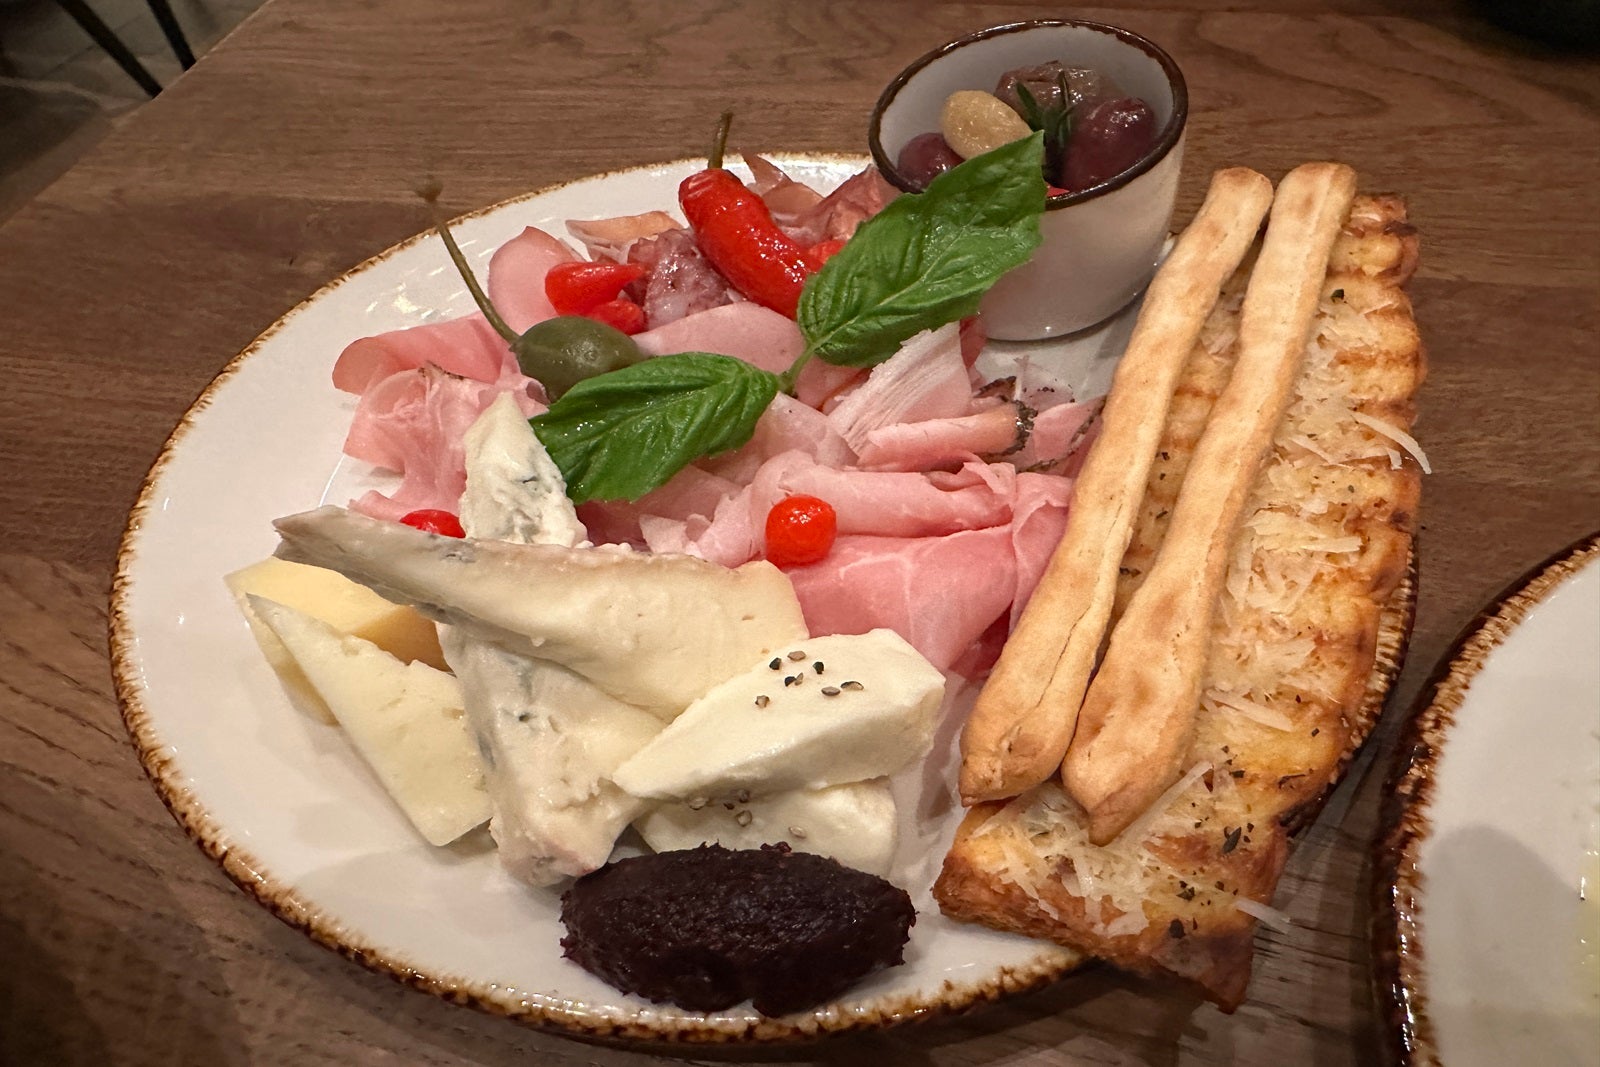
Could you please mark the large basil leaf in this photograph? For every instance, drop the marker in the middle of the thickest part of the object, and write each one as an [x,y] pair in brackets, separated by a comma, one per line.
[927,258]
[619,435]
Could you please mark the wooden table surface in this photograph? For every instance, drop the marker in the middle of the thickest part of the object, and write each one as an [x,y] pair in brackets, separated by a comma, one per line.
[288,154]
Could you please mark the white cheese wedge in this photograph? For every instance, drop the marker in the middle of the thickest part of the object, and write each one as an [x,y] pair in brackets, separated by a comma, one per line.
[656,631]
[339,602]
[854,824]
[550,738]
[405,719]
[785,725]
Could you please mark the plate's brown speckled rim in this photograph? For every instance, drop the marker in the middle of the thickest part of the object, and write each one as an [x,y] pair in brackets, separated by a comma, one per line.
[1397,948]
[284,901]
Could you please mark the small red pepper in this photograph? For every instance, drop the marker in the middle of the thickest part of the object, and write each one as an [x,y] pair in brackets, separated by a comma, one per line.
[434,521]
[578,288]
[620,314]
[823,251]
[736,233]
[800,530]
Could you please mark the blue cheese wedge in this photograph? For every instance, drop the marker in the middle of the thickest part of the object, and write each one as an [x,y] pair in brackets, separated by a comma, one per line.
[550,739]
[405,719]
[855,824]
[654,631]
[822,712]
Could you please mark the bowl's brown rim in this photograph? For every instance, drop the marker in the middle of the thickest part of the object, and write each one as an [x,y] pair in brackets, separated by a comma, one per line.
[284,901]
[1403,825]
[1168,139]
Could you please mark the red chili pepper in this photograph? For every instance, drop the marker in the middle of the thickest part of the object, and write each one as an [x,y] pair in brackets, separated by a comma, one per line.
[580,287]
[800,530]
[823,251]
[735,231]
[435,521]
[620,314]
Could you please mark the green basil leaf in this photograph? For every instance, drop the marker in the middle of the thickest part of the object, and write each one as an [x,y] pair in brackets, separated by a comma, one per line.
[927,258]
[619,435]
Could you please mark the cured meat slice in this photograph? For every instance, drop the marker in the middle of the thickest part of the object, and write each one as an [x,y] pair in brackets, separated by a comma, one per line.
[940,443]
[516,277]
[747,331]
[466,346]
[867,582]
[413,423]
[925,379]
[611,238]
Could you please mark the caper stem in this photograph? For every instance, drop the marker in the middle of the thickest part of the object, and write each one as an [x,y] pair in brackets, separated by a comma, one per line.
[478,295]
[719,141]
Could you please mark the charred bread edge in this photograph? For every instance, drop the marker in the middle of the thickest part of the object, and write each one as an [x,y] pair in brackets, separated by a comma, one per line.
[1403,823]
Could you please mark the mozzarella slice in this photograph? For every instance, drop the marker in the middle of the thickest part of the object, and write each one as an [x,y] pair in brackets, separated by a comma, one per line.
[854,824]
[406,720]
[656,631]
[786,725]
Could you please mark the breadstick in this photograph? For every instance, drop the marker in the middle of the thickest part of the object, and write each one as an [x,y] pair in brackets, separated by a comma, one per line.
[1025,715]
[1138,716]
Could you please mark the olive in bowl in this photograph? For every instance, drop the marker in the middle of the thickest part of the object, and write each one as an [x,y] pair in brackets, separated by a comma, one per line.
[1113,106]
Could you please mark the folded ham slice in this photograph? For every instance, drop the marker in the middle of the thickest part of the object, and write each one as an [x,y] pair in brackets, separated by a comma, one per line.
[413,423]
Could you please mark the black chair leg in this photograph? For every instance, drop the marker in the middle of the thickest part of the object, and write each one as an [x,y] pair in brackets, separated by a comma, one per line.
[94,27]
[169,26]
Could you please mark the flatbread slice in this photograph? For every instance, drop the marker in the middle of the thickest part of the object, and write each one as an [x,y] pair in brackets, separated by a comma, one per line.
[1306,638]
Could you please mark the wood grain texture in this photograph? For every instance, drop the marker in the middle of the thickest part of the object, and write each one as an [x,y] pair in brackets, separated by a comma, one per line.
[287,155]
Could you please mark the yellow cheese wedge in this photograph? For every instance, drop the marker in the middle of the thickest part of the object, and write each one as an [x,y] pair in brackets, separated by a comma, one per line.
[407,720]
[342,604]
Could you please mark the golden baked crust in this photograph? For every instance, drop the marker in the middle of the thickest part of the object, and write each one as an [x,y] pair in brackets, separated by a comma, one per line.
[1324,543]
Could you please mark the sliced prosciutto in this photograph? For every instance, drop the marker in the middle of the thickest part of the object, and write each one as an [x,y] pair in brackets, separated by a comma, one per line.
[516,277]
[939,593]
[414,423]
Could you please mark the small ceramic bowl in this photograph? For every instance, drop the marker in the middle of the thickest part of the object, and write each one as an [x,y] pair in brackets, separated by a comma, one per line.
[1101,244]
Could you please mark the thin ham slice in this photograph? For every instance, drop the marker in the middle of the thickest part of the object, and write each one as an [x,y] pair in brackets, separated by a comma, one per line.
[940,593]
[936,444]
[925,379]
[611,238]
[807,216]
[759,336]
[516,277]
[466,346]
[414,423]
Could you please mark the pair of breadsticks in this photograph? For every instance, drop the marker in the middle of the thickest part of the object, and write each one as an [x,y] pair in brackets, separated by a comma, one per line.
[1119,733]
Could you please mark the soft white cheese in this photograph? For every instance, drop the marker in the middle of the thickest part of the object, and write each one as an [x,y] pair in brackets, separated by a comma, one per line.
[784,724]
[855,823]
[405,719]
[656,631]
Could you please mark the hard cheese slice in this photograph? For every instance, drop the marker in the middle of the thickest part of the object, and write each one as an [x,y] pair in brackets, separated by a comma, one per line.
[339,602]
[788,724]
[406,720]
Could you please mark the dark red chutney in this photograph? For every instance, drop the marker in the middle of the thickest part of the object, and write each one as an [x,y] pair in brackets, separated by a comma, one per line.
[707,928]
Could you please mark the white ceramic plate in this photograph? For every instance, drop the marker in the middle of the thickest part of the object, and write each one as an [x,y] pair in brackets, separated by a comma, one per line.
[1493,839]
[288,808]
